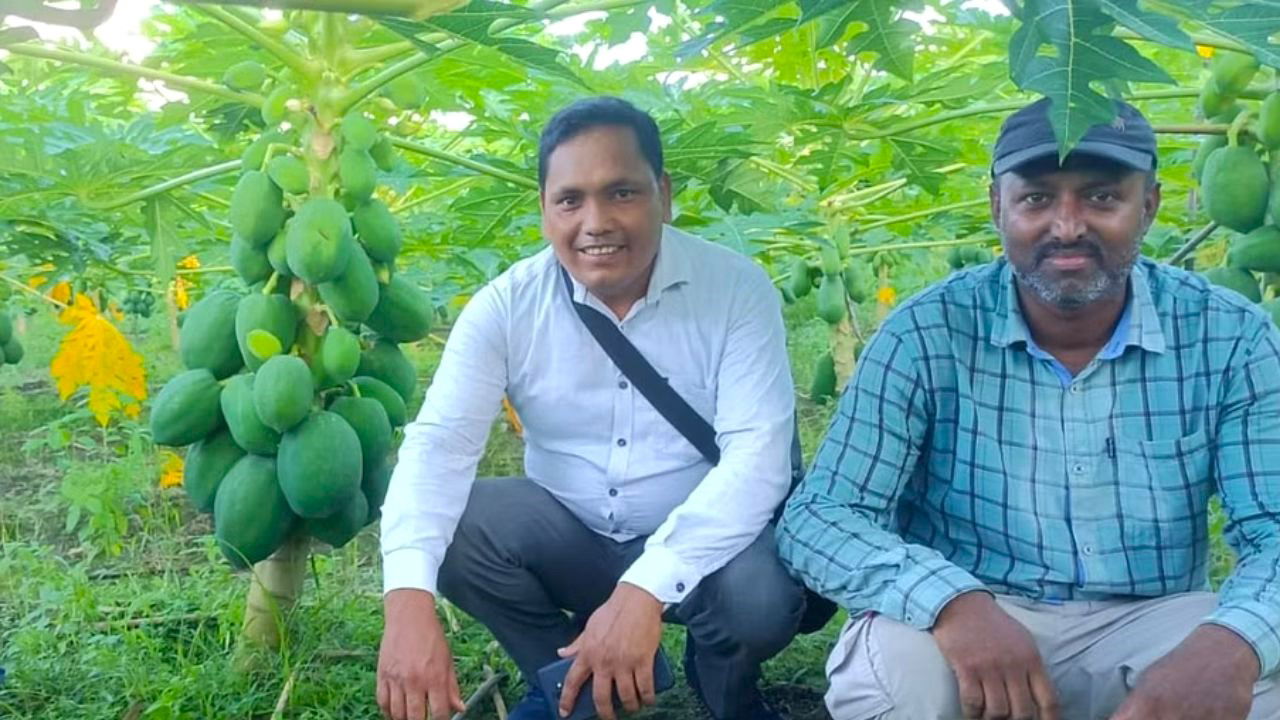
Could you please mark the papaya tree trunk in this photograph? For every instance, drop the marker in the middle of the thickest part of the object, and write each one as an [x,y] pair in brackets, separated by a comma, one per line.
[274,588]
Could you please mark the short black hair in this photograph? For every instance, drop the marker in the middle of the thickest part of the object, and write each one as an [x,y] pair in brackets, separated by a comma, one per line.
[594,112]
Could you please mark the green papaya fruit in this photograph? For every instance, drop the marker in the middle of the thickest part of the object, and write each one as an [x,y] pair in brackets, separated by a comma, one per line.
[6,328]
[247,75]
[186,409]
[282,392]
[256,153]
[378,230]
[385,394]
[358,174]
[1231,72]
[276,106]
[207,462]
[858,280]
[405,92]
[318,241]
[1213,101]
[341,527]
[208,336]
[369,419]
[830,260]
[358,132]
[248,430]
[339,354]
[251,517]
[290,174]
[1269,122]
[1235,186]
[787,297]
[1258,250]
[824,379]
[954,258]
[278,254]
[383,154]
[403,312]
[374,484]
[799,282]
[831,299]
[1206,148]
[256,211]
[319,465]
[272,313]
[249,262]
[387,362]
[1273,194]
[1232,278]
[12,351]
[353,295]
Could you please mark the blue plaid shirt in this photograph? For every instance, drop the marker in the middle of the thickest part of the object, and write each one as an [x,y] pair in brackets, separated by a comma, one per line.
[963,457]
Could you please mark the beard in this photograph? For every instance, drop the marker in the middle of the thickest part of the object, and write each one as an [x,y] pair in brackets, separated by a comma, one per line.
[1073,293]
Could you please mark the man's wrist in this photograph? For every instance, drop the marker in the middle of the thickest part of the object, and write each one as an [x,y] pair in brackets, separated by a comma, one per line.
[1227,647]
[646,599]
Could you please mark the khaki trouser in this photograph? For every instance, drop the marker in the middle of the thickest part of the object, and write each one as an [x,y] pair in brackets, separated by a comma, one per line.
[881,669]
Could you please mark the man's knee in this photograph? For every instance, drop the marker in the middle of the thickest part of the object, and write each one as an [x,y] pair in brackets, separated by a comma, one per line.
[486,538]
[753,601]
[882,669]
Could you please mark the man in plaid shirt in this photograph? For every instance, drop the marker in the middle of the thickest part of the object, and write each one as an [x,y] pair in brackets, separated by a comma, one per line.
[1012,499]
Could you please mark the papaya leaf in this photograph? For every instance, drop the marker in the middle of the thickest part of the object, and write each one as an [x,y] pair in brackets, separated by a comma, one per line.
[1253,24]
[725,18]
[1082,53]
[1149,25]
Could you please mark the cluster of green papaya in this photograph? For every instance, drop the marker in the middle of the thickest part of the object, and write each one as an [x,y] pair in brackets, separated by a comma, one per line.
[138,302]
[293,390]
[1239,188]
[11,350]
[840,278]
[963,256]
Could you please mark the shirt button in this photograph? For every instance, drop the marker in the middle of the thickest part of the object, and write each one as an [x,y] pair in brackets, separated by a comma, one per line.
[622,384]
[1088,549]
[1077,469]
[1075,389]
[679,587]
[622,442]
[613,492]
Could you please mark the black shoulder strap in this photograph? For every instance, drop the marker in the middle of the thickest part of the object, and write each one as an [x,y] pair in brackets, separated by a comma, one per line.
[651,385]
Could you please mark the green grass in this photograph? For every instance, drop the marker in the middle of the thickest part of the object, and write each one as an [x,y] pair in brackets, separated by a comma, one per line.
[88,543]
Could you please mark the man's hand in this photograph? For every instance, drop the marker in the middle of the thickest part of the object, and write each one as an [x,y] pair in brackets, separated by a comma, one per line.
[1208,675]
[616,648]
[997,665]
[415,667]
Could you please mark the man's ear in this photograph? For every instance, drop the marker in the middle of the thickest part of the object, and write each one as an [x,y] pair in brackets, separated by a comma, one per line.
[1150,205]
[664,191]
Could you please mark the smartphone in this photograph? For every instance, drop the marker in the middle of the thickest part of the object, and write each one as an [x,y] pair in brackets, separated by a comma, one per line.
[551,680]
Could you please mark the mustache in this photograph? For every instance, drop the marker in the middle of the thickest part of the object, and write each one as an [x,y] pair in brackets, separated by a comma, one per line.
[1081,247]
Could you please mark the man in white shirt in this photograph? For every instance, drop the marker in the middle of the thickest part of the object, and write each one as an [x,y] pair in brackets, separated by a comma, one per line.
[620,518]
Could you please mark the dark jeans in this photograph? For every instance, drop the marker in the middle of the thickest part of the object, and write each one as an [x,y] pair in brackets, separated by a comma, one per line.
[520,559]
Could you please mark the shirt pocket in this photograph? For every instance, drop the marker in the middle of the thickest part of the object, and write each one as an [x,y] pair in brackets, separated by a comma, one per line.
[1164,488]
[657,436]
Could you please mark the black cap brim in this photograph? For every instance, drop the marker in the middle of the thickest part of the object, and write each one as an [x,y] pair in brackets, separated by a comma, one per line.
[1135,159]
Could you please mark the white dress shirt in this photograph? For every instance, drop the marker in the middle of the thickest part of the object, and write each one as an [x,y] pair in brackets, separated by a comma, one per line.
[710,323]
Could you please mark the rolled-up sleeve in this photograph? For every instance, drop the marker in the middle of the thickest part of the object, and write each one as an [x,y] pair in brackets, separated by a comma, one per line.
[833,535]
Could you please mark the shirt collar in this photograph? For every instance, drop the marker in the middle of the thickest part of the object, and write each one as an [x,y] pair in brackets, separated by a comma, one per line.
[1139,323]
[671,267]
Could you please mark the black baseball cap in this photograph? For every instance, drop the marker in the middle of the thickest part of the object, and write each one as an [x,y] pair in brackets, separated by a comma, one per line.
[1028,135]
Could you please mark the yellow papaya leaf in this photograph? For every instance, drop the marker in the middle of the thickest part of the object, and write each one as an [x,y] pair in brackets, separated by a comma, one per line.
[94,354]
[190,262]
[1204,51]
[61,292]
[35,282]
[171,470]
[887,296]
